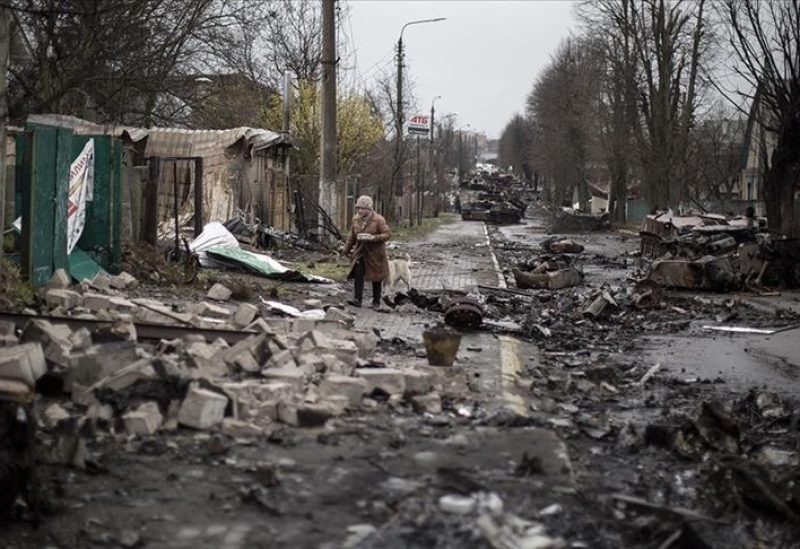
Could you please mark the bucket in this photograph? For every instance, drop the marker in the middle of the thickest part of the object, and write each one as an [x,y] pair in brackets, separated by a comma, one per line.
[441,346]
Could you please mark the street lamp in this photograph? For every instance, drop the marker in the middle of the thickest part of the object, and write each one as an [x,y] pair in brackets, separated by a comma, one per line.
[398,169]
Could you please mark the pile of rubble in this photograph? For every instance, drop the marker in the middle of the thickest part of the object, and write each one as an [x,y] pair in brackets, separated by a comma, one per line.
[209,366]
[711,252]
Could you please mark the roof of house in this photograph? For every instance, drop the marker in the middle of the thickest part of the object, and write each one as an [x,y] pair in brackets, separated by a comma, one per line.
[172,142]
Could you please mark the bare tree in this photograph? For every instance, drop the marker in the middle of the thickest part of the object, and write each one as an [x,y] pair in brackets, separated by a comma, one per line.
[766,39]
[562,109]
[129,61]
[609,23]
[515,146]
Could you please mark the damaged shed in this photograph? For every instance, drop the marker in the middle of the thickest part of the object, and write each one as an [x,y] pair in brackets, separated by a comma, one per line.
[174,172]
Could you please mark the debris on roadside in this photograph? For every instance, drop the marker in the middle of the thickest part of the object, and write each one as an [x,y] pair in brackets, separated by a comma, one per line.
[710,252]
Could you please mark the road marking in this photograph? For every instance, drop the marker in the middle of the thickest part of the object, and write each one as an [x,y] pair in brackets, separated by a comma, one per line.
[510,370]
[501,280]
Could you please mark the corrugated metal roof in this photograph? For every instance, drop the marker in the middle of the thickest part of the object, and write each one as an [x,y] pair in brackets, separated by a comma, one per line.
[171,142]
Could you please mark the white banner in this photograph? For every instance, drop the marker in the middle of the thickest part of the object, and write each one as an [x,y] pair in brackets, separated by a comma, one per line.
[81,190]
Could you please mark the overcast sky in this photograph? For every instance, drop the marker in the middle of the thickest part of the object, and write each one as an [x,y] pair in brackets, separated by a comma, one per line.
[482,60]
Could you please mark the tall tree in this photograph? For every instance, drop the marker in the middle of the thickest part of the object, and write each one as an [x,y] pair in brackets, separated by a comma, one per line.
[562,109]
[766,39]
[515,146]
[667,37]
[609,23]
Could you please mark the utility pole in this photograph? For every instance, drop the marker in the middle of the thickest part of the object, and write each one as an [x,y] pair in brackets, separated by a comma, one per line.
[328,195]
[419,194]
[396,184]
[5,53]
[431,153]
[397,172]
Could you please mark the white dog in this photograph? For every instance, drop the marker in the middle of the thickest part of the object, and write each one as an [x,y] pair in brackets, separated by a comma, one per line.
[399,269]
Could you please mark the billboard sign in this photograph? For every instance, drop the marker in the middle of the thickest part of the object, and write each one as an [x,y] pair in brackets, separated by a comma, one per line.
[419,124]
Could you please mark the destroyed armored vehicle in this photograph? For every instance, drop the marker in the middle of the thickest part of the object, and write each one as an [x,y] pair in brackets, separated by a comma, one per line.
[497,213]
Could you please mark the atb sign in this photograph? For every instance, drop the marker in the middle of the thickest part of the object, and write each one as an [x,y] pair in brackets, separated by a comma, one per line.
[419,124]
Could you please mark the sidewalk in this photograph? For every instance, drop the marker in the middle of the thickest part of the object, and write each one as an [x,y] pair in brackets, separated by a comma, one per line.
[455,256]
[458,256]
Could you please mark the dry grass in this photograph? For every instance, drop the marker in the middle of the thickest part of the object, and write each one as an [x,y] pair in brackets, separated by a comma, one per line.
[16,293]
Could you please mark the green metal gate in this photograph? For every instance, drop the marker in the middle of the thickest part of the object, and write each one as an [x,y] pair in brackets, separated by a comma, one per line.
[44,156]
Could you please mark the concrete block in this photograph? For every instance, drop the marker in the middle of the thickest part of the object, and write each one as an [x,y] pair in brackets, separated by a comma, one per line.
[418,383]
[80,339]
[353,388]
[144,420]
[259,325]
[344,350]
[339,315]
[237,428]
[97,362]
[245,362]
[430,403]
[312,304]
[313,340]
[25,363]
[120,330]
[66,299]
[291,375]
[204,308]
[59,280]
[204,359]
[123,280]
[262,410]
[202,409]
[274,391]
[390,380]
[219,292]
[337,405]
[96,302]
[127,376]
[313,415]
[255,346]
[102,281]
[54,414]
[287,413]
[55,339]
[245,314]
[366,342]
[281,359]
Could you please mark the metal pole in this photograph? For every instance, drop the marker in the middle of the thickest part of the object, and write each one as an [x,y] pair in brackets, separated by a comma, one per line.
[198,196]
[328,199]
[175,206]
[418,181]
[431,153]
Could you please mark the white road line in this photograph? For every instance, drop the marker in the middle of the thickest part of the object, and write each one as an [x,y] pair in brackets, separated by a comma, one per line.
[501,280]
[510,370]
